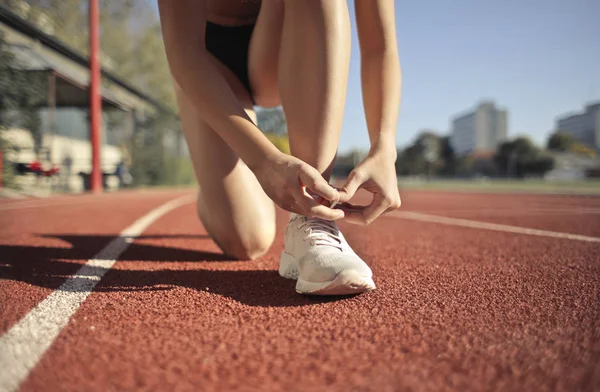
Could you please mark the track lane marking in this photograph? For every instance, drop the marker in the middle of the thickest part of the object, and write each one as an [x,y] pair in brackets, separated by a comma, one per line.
[417,216]
[25,343]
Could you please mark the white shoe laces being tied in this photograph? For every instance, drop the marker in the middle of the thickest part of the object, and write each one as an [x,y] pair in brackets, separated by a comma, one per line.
[321,232]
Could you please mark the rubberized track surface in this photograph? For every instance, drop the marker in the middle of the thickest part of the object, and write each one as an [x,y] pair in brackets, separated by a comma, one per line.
[457,308]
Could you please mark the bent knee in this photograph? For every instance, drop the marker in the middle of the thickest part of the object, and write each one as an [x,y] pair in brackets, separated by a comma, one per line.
[246,247]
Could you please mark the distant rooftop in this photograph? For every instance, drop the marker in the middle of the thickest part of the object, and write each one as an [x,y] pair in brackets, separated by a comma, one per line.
[468,112]
[35,61]
[592,106]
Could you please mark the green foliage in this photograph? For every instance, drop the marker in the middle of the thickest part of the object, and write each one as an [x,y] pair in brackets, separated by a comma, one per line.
[411,162]
[130,38]
[21,93]
[430,154]
[7,177]
[560,141]
[564,142]
[520,158]
[582,149]
[448,157]
[147,155]
[152,163]
[132,48]
[180,170]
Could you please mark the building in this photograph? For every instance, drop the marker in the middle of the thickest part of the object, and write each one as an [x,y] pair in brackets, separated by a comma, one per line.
[583,127]
[479,130]
[64,74]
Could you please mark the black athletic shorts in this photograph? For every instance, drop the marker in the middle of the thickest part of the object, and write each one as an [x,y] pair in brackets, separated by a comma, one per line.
[230,44]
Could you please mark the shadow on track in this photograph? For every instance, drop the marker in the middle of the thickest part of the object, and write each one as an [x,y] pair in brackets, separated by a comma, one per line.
[51,266]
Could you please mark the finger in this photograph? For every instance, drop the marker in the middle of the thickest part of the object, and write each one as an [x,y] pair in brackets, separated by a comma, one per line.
[323,212]
[397,203]
[325,202]
[308,206]
[354,216]
[354,213]
[376,208]
[355,180]
[350,207]
[313,180]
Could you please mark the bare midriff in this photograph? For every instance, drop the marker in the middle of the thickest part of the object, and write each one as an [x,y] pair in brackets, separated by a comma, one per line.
[232,12]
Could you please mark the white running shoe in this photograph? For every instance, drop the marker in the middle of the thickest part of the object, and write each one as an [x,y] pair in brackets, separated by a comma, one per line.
[317,254]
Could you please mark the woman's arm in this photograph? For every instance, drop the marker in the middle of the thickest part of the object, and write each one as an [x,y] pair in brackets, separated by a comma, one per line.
[195,71]
[284,179]
[380,74]
[380,71]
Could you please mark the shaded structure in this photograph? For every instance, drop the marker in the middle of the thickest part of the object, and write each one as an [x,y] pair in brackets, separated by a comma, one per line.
[129,114]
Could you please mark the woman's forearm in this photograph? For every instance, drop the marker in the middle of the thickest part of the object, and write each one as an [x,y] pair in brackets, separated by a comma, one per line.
[381,86]
[203,84]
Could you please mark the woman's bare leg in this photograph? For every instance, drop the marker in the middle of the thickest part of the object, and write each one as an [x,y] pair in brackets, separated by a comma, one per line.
[308,67]
[313,77]
[231,203]
[314,60]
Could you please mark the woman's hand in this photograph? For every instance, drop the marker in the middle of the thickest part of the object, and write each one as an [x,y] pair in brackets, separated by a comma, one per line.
[376,174]
[290,182]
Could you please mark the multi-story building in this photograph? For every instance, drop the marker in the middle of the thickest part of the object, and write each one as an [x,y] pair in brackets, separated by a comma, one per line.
[479,130]
[583,127]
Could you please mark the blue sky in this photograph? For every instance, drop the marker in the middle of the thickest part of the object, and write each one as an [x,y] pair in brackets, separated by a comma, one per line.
[536,58]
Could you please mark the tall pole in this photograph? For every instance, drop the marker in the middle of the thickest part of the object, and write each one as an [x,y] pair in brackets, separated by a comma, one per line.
[95,101]
[52,113]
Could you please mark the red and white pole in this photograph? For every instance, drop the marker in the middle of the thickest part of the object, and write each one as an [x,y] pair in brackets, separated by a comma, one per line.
[95,100]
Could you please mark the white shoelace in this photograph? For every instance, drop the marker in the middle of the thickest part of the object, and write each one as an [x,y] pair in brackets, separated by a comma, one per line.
[321,232]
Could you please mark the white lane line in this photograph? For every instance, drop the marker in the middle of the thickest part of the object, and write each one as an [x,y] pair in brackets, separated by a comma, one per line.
[22,346]
[488,226]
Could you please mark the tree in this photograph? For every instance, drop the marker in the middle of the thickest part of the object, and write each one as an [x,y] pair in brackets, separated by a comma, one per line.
[20,95]
[560,141]
[520,157]
[411,161]
[582,149]
[564,142]
[130,38]
[448,157]
[65,19]
[430,154]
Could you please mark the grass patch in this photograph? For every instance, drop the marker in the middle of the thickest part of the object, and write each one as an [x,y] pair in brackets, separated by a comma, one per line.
[496,185]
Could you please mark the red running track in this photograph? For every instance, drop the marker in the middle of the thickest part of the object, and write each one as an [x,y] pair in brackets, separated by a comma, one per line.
[457,308]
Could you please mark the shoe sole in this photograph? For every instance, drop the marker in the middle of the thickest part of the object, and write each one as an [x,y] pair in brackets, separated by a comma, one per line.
[346,282]
[288,266]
